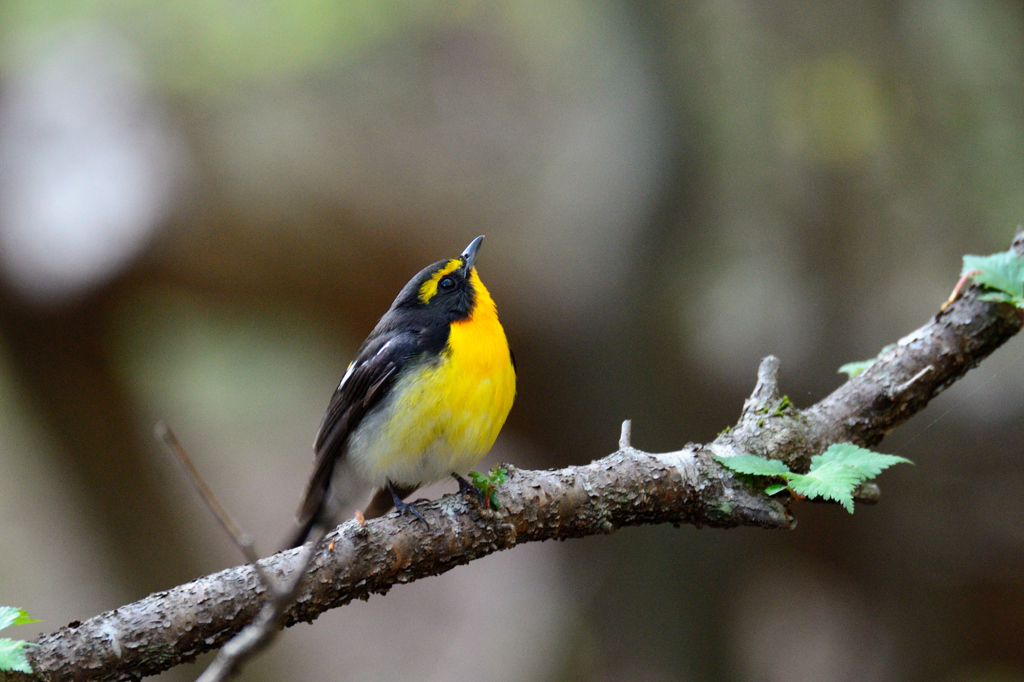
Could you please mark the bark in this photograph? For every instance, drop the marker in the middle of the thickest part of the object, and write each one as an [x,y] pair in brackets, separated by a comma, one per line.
[626,488]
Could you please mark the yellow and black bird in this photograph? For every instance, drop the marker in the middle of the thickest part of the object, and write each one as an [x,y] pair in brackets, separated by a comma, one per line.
[424,398]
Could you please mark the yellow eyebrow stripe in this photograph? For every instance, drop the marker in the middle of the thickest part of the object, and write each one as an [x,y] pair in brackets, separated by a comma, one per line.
[429,288]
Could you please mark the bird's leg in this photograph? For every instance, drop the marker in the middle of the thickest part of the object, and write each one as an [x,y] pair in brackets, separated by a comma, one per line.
[402,507]
[467,488]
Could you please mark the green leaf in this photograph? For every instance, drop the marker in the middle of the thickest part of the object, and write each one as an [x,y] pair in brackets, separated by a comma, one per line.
[487,484]
[754,465]
[10,615]
[12,655]
[773,489]
[852,369]
[836,472]
[867,463]
[831,481]
[1003,272]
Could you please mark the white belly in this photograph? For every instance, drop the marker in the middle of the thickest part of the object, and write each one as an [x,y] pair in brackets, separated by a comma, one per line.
[428,434]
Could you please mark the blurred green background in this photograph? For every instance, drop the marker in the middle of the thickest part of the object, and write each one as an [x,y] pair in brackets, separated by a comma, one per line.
[204,207]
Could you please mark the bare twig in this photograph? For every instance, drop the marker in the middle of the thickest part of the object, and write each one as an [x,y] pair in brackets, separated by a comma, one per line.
[626,488]
[244,541]
[261,632]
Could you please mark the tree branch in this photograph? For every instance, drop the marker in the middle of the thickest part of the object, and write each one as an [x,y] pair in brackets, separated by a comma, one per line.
[626,488]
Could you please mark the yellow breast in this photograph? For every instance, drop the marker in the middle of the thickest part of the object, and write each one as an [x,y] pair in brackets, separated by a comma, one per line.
[447,415]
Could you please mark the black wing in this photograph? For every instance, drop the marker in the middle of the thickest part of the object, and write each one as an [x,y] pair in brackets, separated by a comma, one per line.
[371,375]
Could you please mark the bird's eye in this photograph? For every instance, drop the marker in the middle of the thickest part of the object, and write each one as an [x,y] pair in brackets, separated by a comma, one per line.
[446,283]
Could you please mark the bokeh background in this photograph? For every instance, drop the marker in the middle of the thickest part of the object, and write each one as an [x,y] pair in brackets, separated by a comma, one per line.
[204,207]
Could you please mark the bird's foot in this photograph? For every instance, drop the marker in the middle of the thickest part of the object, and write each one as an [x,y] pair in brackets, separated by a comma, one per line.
[405,507]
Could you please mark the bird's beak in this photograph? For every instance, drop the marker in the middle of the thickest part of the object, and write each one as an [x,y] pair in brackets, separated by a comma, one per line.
[469,255]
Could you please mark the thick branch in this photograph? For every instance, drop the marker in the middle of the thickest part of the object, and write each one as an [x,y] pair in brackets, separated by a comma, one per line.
[901,383]
[626,488]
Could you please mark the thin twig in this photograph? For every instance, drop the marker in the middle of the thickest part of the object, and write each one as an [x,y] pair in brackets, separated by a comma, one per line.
[280,595]
[244,541]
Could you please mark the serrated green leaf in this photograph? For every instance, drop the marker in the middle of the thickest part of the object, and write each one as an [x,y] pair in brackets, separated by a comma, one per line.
[831,481]
[12,655]
[754,465]
[834,474]
[10,615]
[852,369]
[1003,272]
[868,464]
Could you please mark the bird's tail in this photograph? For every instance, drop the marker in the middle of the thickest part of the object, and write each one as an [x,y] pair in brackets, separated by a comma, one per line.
[315,508]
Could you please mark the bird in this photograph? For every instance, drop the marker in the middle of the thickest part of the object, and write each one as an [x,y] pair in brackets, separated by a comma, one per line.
[424,398]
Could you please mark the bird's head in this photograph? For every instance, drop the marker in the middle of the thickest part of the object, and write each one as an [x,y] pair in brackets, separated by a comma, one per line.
[449,286]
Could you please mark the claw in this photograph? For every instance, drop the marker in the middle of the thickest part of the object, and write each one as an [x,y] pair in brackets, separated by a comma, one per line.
[405,508]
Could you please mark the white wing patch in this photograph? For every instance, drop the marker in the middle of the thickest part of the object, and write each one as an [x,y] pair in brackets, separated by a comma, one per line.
[352,365]
[348,373]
